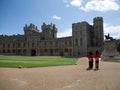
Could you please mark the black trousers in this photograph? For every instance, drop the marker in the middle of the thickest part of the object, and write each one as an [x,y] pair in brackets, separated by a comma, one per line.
[90,64]
[97,64]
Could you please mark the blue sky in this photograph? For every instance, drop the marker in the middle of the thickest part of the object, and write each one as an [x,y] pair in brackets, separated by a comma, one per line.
[14,14]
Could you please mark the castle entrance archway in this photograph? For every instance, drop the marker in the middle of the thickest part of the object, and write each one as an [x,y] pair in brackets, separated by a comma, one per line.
[33,52]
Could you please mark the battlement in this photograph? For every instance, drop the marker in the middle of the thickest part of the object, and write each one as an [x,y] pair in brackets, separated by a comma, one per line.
[8,36]
[49,26]
[83,22]
[31,27]
[98,18]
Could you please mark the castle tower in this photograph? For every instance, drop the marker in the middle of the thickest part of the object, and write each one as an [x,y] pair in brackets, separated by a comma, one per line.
[98,31]
[49,31]
[79,33]
[31,30]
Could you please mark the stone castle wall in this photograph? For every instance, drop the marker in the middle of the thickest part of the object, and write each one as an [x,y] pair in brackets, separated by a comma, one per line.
[33,42]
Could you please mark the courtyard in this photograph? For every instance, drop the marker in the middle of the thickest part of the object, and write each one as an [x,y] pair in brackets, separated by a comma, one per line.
[70,77]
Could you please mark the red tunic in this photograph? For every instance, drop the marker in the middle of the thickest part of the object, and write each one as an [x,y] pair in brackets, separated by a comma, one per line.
[90,57]
[97,57]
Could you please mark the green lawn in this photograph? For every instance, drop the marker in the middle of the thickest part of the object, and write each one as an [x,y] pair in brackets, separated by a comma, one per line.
[35,61]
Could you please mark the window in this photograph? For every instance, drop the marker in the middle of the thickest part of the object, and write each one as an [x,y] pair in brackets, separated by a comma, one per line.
[33,44]
[8,45]
[13,51]
[45,43]
[56,44]
[51,43]
[45,50]
[3,45]
[70,44]
[76,42]
[65,43]
[81,41]
[56,50]
[8,51]
[24,45]
[13,45]
[18,45]
[66,50]
[24,51]
[3,51]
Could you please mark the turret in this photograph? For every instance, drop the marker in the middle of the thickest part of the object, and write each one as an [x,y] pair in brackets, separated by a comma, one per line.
[30,30]
[49,31]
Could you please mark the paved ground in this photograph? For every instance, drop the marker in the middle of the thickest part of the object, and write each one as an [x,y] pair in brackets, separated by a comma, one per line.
[73,77]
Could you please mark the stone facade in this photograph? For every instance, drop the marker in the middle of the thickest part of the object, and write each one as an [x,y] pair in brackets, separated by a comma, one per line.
[85,38]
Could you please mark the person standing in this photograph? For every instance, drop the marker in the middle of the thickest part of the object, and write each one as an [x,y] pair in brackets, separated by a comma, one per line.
[90,58]
[97,56]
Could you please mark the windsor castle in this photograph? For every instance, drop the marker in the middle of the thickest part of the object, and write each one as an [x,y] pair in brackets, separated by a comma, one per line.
[85,38]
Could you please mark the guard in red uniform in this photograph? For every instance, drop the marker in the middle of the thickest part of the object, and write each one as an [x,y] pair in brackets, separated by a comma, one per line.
[97,56]
[90,58]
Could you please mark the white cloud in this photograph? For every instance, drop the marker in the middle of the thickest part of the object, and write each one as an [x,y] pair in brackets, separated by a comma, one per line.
[113,30]
[76,3]
[67,32]
[101,5]
[56,17]
[65,1]
[94,5]
[67,5]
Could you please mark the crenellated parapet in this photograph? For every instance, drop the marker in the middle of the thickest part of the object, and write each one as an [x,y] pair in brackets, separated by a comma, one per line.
[31,30]
[49,31]
[49,26]
[98,19]
[31,27]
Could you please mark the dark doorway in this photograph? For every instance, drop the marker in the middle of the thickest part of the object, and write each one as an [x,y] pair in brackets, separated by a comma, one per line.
[33,53]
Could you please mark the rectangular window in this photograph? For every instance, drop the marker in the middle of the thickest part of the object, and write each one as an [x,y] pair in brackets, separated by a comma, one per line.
[13,45]
[8,45]
[3,45]
[81,41]
[24,45]
[76,42]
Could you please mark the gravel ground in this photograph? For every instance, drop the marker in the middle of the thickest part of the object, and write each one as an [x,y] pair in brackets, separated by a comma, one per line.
[71,77]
